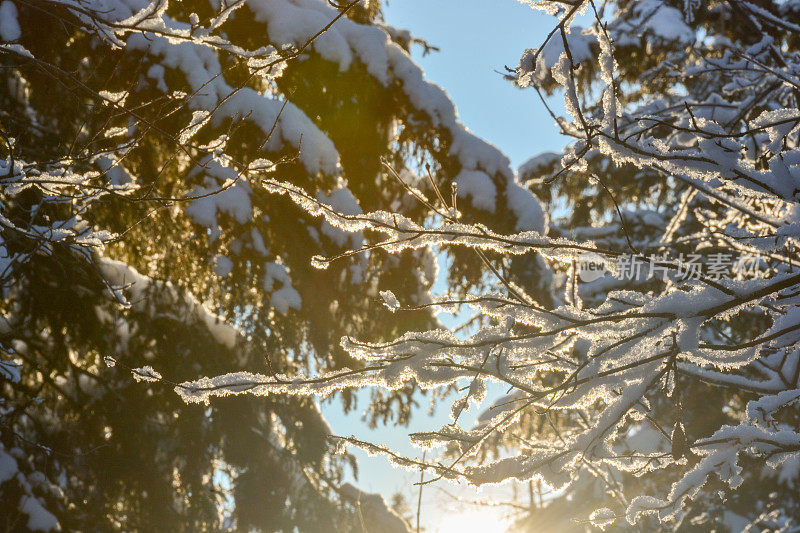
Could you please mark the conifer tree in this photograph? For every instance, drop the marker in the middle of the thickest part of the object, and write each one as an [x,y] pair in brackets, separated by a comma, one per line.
[136,233]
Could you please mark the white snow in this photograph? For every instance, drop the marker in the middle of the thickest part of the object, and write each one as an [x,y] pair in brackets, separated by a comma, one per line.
[390,300]
[284,298]
[9,25]
[663,20]
[39,518]
[535,164]
[478,187]
[343,202]
[139,286]
[8,466]
[229,196]
[146,373]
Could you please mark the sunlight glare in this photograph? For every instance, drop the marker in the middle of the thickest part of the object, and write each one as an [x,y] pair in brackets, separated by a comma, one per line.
[473,521]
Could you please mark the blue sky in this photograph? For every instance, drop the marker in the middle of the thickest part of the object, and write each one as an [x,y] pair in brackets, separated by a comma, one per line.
[476,38]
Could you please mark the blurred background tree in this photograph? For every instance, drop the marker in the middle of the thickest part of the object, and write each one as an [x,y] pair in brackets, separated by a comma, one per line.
[148,126]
